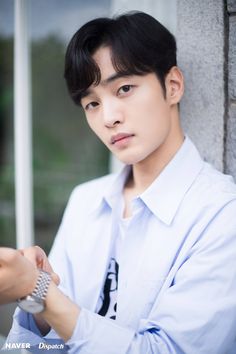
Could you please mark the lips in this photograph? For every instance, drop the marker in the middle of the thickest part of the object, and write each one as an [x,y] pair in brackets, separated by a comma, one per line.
[119,137]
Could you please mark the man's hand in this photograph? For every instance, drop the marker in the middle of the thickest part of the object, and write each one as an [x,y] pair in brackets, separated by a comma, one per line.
[60,313]
[18,275]
[18,278]
[38,257]
[19,272]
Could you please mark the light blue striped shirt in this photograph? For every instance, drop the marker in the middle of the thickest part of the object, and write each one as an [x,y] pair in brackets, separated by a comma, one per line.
[177,264]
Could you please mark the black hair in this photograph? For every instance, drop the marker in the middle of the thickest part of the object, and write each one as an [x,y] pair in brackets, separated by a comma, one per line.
[139,45]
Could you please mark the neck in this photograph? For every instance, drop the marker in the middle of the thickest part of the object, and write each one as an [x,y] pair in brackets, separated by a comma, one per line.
[145,172]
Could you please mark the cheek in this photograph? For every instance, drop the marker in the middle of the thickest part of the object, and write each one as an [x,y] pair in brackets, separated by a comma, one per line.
[150,102]
[156,118]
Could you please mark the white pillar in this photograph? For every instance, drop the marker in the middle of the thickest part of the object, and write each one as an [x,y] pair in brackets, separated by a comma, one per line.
[22,127]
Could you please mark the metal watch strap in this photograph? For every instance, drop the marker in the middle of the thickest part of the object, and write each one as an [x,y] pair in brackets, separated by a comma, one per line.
[42,285]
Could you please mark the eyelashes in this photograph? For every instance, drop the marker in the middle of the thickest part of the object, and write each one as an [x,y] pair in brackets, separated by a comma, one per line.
[123,91]
[91,105]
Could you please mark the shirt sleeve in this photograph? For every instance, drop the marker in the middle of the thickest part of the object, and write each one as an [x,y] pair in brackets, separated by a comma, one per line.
[24,328]
[196,313]
[25,332]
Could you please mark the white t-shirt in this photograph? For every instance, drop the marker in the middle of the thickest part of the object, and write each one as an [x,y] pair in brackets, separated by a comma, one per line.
[107,303]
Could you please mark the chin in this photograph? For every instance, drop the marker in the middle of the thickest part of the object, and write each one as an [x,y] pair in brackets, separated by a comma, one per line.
[129,160]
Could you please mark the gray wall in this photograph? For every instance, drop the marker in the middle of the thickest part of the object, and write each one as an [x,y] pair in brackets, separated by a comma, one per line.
[206,37]
[230,153]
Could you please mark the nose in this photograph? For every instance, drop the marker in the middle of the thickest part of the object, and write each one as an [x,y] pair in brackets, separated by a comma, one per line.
[112,114]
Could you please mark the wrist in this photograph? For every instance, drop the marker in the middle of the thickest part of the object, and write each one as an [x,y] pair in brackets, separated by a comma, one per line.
[60,312]
[35,302]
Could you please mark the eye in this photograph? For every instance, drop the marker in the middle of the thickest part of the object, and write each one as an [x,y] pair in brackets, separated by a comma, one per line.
[91,105]
[125,89]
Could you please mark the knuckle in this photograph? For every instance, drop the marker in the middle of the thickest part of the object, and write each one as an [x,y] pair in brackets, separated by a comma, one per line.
[11,255]
[39,250]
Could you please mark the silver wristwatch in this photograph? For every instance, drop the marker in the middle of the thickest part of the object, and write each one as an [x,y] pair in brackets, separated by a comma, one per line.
[35,302]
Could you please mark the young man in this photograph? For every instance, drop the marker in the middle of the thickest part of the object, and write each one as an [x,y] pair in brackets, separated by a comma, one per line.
[147,257]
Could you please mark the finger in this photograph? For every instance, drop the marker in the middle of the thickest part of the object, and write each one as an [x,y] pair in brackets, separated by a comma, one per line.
[38,257]
[35,255]
[30,254]
[41,257]
[47,266]
[55,278]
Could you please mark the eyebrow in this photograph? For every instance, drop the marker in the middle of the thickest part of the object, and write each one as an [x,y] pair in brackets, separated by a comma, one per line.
[107,81]
[114,77]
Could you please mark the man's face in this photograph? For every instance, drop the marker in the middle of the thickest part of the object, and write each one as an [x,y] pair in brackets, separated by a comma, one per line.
[128,113]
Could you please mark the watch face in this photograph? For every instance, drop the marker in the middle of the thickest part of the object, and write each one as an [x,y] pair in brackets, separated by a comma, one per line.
[31,304]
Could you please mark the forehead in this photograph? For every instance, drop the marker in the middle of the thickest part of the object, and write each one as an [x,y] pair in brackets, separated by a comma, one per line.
[102,57]
[109,74]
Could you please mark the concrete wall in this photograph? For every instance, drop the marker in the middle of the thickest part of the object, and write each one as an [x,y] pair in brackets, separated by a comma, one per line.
[206,37]
[200,39]
[230,152]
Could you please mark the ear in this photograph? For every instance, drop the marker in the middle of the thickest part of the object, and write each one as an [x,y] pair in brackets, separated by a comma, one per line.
[174,85]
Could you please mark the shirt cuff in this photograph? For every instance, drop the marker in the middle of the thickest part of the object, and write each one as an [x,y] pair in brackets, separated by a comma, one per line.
[96,334]
[25,330]
[26,320]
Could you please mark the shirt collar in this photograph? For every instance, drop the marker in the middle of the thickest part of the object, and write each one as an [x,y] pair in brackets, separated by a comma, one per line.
[115,189]
[165,194]
[112,193]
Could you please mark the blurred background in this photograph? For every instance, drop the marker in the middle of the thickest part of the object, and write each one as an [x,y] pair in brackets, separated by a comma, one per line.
[64,151]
